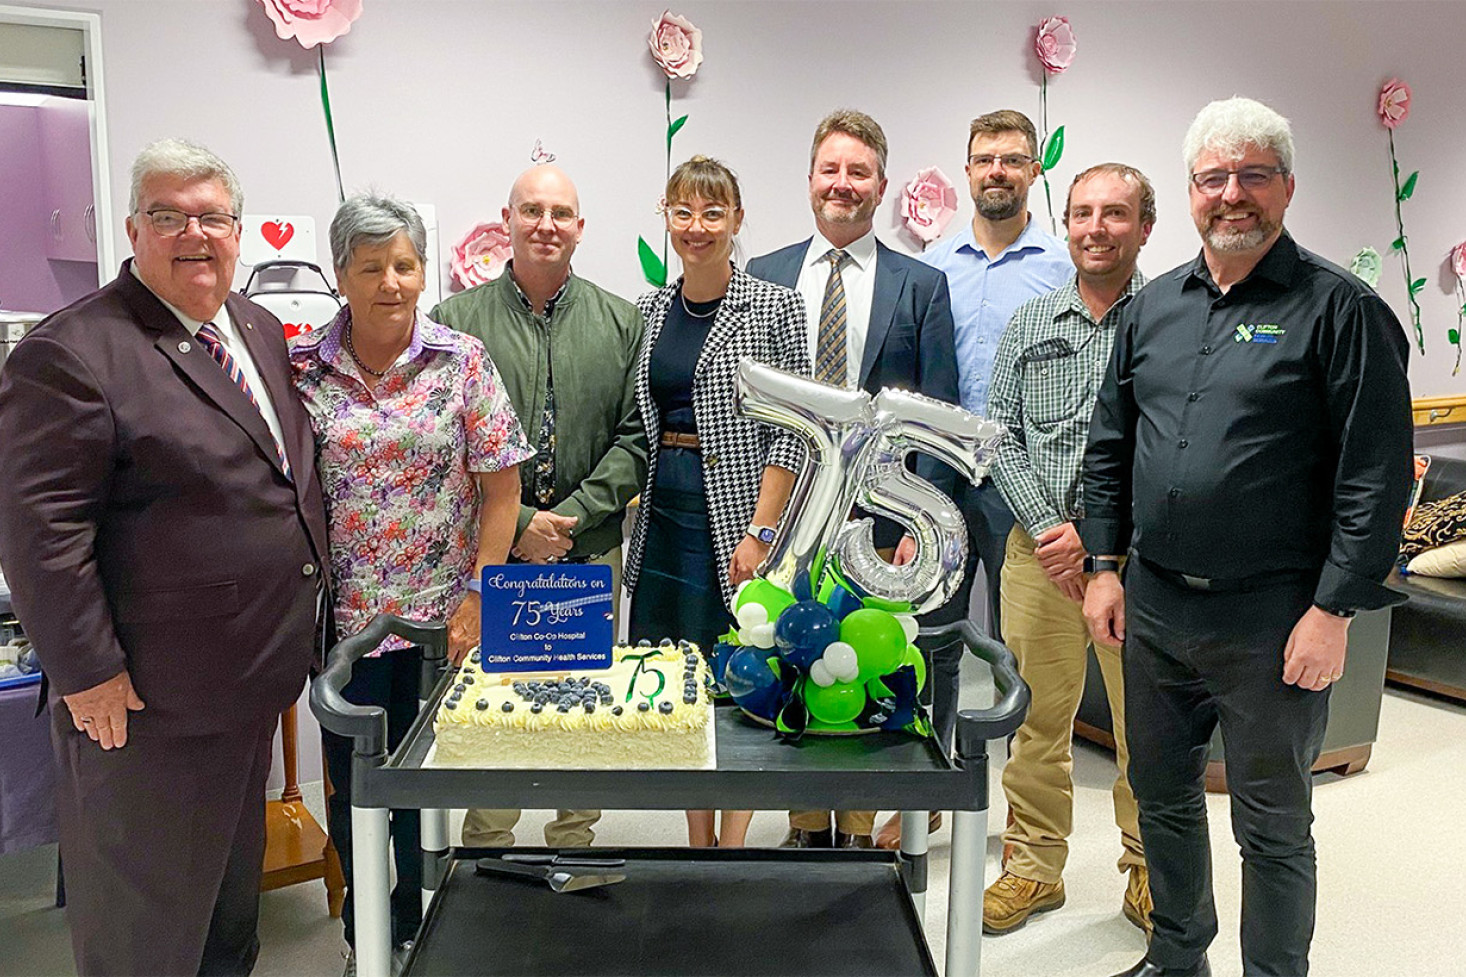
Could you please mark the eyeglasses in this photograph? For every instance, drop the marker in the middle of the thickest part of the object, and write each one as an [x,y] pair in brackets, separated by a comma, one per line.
[1248,178]
[534,213]
[712,219]
[1010,161]
[170,223]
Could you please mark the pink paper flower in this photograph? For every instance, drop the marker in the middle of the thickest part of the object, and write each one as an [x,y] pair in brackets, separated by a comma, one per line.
[928,203]
[1055,44]
[481,255]
[311,22]
[676,45]
[1394,103]
[1458,260]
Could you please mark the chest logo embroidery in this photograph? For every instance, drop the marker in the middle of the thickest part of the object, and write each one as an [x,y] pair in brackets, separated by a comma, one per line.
[1263,333]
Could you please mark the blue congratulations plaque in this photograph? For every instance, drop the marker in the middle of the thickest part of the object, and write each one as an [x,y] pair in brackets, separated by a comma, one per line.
[545,618]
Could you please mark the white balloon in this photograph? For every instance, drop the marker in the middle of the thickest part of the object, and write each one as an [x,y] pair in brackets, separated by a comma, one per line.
[841,660]
[745,637]
[762,635]
[909,625]
[751,615]
[819,673]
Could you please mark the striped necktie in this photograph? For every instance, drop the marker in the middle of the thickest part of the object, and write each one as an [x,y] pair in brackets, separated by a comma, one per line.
[829,359]
[214,343]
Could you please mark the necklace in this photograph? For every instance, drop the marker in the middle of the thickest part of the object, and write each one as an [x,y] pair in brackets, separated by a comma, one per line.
[351,348]
[699,315]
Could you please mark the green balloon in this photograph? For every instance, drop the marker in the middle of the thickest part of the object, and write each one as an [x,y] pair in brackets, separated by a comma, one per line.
[878,689]
[916,660]
[838,703]
[877,638]
[772,597]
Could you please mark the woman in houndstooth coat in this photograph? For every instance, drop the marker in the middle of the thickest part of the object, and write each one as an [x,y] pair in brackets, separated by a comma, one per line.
[715,481]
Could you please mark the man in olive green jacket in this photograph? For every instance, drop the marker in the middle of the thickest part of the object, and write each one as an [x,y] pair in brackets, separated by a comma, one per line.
[566,351]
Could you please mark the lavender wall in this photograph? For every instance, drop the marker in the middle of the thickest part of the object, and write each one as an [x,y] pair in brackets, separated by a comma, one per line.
[442,101]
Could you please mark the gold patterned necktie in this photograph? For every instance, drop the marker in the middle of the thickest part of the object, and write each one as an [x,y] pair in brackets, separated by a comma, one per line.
[829,359]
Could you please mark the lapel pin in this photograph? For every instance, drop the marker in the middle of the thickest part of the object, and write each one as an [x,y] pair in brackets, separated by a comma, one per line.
[183,347]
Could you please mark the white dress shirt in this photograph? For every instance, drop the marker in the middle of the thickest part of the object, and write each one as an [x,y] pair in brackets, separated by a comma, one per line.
[858,275]
[229,333]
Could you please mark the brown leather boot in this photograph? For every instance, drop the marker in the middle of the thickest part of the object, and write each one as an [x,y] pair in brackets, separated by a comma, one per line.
[1137,904]
[799,838]
[1008,902]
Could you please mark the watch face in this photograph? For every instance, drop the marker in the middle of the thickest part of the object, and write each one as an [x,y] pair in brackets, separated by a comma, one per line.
[766,535]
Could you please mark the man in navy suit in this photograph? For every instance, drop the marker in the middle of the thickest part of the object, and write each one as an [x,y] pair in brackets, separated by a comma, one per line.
[878,319]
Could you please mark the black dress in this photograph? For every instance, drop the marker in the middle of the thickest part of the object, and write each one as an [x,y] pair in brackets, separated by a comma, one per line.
[678,594]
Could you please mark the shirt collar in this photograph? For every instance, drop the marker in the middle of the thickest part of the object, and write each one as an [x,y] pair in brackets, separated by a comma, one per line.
[328,344]
[862,250]
[524,299]
[1030,239]
[1071,301]
[1278,266]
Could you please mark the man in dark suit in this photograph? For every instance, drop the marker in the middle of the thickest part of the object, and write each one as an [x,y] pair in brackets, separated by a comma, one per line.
[878,319]
[162,529]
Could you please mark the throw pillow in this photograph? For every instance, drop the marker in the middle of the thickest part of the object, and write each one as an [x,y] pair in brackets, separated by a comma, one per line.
[1436,523]
[1443,561]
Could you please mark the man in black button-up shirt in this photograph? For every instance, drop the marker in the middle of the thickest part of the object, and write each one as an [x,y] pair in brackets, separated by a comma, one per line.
[1251,448]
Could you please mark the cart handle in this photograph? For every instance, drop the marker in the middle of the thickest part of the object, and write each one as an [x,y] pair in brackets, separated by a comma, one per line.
[976,726]
[367,725]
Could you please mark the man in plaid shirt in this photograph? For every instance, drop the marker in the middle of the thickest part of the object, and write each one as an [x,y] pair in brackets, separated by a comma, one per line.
[1048,370]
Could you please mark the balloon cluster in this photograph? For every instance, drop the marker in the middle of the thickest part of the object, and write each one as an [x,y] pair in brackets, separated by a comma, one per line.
[830,663]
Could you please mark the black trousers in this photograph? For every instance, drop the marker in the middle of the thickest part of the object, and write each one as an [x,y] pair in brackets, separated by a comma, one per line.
[390,681]
[989,521]
[1193,660]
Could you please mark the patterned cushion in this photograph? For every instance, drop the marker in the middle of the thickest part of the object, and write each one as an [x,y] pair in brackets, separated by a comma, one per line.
[1442,561]
[1435,523]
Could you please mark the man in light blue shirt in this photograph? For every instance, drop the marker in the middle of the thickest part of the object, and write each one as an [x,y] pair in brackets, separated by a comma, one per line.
[1001,261]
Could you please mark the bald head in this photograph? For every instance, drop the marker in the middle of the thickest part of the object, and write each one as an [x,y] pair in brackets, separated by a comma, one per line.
[543,217]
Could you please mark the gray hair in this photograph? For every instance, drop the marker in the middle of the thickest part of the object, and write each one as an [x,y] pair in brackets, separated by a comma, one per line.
[186,161]
[374,218]
[1229,126]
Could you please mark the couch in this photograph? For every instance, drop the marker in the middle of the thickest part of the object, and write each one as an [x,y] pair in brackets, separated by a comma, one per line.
[1353,705]
[1428,633]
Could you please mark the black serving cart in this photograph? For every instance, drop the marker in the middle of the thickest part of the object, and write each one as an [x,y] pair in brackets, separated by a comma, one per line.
[680,911]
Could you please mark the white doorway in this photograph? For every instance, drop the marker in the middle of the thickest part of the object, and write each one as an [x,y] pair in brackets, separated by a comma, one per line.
[56,215]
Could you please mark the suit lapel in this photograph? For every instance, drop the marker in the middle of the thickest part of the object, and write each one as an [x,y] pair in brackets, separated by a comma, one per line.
[786,273]
[890,279]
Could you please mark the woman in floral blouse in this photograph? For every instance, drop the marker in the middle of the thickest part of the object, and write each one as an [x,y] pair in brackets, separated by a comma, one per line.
[419,451]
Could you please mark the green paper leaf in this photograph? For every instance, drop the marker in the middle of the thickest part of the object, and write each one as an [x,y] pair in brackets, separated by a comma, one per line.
[1417,285]
[652,268]
[673,129]
[1463,310]
[1398,244]
[1053,149]
[1409,188]
[1454,335]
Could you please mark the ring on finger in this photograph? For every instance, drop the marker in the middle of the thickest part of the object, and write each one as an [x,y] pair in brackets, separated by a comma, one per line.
[87,719]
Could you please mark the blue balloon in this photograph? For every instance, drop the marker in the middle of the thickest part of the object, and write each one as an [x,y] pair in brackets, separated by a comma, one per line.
[752,683]
[803,631]
[843,601]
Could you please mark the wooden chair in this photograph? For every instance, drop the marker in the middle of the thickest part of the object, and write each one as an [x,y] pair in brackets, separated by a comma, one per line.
[296,849]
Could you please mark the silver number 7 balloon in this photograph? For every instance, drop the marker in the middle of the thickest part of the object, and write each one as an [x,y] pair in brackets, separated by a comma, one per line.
[857,447]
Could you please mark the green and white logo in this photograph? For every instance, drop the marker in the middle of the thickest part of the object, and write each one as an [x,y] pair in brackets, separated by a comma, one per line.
[1258,333]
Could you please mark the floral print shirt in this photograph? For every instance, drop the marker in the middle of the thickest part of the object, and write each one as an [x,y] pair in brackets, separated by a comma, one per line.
[396,467]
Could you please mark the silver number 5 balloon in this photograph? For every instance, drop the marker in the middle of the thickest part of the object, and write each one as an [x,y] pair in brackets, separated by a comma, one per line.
[857,447]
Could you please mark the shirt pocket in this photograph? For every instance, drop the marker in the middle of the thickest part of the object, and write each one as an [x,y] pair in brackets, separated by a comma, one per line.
[1054,386]
[156,606]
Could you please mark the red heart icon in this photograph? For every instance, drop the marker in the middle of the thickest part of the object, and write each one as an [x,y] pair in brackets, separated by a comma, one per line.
[277,233]
[293,329]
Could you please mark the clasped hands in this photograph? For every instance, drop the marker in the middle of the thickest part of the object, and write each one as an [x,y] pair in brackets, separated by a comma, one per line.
[546,538]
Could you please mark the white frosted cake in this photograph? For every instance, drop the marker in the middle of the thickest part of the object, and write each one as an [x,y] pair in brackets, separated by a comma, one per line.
[650,710]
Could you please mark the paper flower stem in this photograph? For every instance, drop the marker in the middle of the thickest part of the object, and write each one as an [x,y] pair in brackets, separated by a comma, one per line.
[330,127]
[666,233]
[1403,244]
[1043,106]
[1454,335]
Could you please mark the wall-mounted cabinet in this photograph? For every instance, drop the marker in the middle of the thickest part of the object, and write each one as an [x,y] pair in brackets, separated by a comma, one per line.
[66,167]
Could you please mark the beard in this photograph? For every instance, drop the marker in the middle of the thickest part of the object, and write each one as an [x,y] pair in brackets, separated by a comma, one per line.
[1233,242]
[1007,205]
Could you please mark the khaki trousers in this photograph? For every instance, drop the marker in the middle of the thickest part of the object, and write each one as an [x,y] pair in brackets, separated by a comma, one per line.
[1047,634]
[494,827]
[847,822]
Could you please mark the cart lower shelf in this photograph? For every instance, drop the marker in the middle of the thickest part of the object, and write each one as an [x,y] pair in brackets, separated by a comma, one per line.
[681,912]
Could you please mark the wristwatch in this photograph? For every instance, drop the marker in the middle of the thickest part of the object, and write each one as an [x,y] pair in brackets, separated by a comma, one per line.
[764,534]
[1101,564]
[1336,613]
